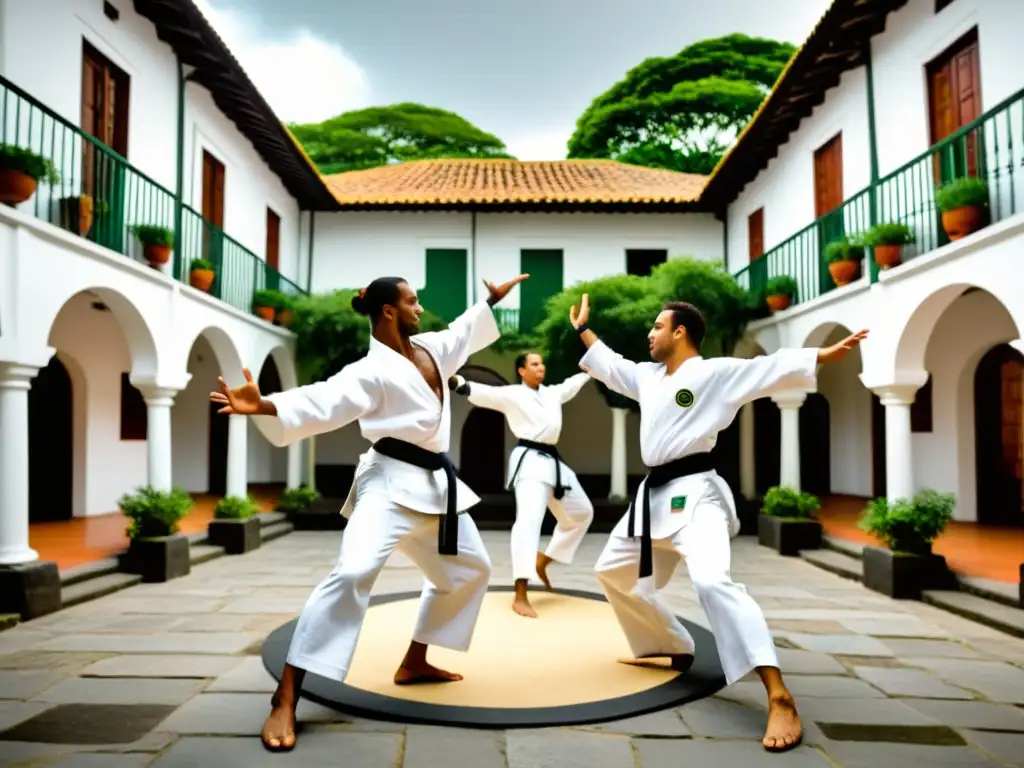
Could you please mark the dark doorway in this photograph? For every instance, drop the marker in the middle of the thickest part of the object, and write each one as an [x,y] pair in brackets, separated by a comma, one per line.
[640,261]
[878,482]
[998,422]
[726,455]
[51,440]
[482,451]
[767,440]
[815,446]
[218,463]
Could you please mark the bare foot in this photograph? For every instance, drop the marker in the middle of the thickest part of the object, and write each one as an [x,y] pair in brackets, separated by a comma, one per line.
[279,728]
[522,606]
[543,561]
[784,730]
[409,674]
[681,662]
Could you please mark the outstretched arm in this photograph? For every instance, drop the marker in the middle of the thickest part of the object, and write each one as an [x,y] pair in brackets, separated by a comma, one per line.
[571,387]
[482,395]
[611,369]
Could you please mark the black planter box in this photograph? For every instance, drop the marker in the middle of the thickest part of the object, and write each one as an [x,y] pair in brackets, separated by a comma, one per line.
[788,536]
[748,511]
[30,589]
[236,536]
[324,514]
[905,576]
[158,559]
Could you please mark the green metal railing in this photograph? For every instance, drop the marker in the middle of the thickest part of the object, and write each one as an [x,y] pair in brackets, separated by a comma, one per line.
[802,255]
[991,148]
[507,319]
[122,198]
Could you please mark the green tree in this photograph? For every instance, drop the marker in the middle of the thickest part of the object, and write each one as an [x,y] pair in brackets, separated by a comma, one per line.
[368,138]
[681,112]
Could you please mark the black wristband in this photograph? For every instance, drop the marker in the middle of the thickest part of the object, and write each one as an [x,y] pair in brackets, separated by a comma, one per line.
[581,328]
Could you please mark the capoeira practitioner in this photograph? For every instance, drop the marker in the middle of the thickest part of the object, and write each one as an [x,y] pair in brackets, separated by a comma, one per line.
[683,509]
[536,472]
[405,494]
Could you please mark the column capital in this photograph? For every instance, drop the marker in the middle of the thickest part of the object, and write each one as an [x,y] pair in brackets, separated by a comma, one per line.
[790,398]
[17,376]
[158,392]
[896,394]
[895,385]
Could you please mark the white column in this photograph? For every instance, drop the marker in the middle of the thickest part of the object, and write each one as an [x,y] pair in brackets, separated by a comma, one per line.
[618,489]
[748,471]
[294,465]
[899,463]
[158,435]
[311,462]
[15,381]
[238,454]
[789,404]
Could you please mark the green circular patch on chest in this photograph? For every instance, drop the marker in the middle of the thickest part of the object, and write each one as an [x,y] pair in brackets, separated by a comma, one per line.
[684,398]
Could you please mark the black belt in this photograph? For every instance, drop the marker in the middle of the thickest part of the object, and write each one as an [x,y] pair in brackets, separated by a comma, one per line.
[547,450]
[448,529]
[657,477]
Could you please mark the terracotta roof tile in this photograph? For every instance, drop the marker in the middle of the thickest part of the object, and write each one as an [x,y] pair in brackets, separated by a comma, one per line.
[496,182]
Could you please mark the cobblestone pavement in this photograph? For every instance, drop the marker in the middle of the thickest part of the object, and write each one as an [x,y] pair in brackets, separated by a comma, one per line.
[169,675]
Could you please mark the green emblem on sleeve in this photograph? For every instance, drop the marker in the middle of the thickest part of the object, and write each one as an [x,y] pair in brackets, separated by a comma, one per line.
[684,398]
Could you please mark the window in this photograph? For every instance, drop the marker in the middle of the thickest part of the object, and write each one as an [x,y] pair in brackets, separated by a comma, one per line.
[755,234]
[134,418]
[213,209]
[954,100]
[641,261]
[273,251]
[104,101]
[545,270]
[828,176]
[921,409]
[444,293]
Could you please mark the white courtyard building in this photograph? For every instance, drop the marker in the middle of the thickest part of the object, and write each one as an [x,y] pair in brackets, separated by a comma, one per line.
[106,359]
[885,102]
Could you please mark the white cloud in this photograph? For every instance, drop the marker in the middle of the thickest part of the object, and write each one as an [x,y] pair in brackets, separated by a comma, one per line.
[304,78]
[549,145]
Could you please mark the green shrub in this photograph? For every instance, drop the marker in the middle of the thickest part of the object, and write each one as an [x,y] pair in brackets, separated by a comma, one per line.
[29,163]
[909,525]
[235,508]
[150,234]
[200,264]
[297,499]
[154,513]
[781,285]
[268,298]
[844,249]
[961,192]
[786,502]
[890,233]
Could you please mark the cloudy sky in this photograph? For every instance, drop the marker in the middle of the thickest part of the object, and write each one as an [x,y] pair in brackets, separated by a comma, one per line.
[524,71]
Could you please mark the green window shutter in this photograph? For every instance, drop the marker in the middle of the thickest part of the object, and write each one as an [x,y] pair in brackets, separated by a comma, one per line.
[545,270]
[445,291]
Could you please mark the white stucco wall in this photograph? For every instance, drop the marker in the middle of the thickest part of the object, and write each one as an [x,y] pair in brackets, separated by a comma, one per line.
[131,43]
[353,248]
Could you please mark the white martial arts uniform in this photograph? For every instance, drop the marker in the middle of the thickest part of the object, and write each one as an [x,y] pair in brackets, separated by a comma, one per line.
[392,504]
[692,517]
[536,415]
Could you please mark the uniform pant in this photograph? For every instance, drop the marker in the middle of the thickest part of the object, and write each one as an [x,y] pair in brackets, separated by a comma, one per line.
[651,628]
[329,625]
[573,515]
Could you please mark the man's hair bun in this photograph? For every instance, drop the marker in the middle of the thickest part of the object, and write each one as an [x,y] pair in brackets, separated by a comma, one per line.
[359,302]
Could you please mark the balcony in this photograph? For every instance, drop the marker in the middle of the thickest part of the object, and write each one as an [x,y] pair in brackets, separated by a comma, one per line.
[989,149]
[97,194]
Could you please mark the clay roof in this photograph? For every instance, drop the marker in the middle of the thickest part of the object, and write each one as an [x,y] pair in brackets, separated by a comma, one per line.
[515,184]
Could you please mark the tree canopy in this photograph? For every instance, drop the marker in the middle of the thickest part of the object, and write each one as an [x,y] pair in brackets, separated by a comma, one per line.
[368,138]
[681,112]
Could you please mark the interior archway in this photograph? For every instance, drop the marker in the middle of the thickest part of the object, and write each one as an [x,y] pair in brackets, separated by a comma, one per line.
[998,429]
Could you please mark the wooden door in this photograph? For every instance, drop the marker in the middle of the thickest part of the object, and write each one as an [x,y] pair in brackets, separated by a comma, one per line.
[213,213]
[954,100]
[273,251]
[999,427]
[828,201]
[755,235]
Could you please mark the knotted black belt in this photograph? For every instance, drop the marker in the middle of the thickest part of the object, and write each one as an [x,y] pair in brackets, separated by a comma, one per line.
[656,478]
[547,450]
[448,529]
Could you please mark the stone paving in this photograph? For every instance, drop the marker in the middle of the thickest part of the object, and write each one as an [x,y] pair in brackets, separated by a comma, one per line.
[169,675]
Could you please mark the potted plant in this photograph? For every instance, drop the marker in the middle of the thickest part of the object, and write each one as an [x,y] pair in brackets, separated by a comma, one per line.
[284,310]
[20,173]
[779,292]
[201,274]
[234,525]
[157,243]
[156,551]
[298,503]
[77,213]
[265,303]
[785,523]
[962,203]
[887,241]
[844,256]
[906,565]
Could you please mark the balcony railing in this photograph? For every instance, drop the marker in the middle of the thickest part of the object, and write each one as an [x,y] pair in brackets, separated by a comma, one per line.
[507,319]
[989,148]
[102,197]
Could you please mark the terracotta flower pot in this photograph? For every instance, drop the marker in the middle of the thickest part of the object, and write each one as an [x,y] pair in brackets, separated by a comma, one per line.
[845,271]
[77,214]
[778,302]
[961,221]
[156,254]
[267,313]
[15,186]
[887,256]
[284,317]
[201,278]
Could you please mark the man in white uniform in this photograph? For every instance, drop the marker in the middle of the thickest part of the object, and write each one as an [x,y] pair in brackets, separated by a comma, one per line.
[405,494]
[536,472]
[686,510]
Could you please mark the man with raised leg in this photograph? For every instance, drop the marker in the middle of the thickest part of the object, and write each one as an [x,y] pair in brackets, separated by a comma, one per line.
[405,494]
[683,508]
[536,472]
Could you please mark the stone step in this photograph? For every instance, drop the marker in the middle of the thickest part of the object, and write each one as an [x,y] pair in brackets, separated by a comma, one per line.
[996,591]
[276,530]
[87,571]
[201,553]
[836,562]
[987,612]
[98,586]
[849,548]
[269,518]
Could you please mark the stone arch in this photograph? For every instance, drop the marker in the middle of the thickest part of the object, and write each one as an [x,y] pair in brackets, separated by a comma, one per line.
[229,360]
[285,362]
